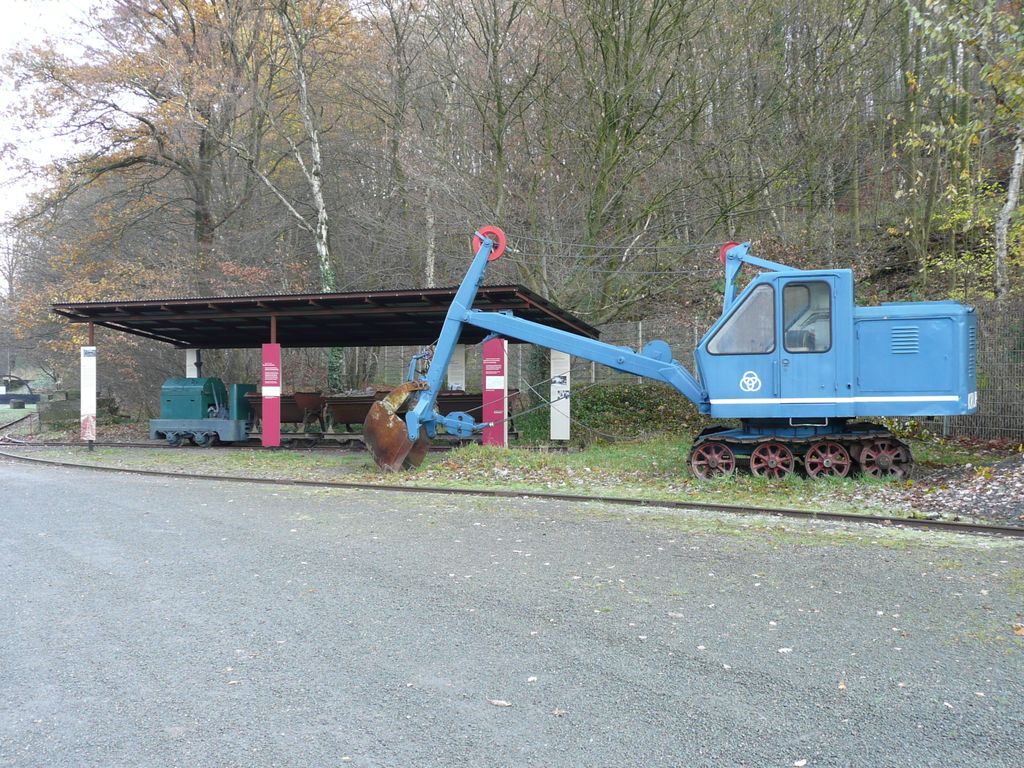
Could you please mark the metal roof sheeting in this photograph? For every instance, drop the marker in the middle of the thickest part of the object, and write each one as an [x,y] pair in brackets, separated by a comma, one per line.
[362,319]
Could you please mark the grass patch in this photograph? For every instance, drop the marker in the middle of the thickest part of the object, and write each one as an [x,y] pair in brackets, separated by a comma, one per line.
[321,466]
[8,414]
[654,470]
[653,467]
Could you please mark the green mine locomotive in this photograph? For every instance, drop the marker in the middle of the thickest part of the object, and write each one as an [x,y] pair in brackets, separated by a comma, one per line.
[202,410]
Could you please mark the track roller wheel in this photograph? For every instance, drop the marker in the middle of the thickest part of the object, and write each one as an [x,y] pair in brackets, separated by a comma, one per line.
[772,460]
[885,457]
[712,459]
[827,459]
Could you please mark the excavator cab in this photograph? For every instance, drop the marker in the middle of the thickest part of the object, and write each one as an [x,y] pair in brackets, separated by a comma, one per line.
[775,349]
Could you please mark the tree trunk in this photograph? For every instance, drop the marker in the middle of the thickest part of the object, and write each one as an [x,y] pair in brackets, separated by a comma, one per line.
[1002,286]
[203,223]
[297,42]
[830,213]
[429,266]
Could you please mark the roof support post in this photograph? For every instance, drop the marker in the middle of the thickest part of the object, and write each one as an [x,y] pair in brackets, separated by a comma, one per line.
[495,389]
[270,402]
[273,329]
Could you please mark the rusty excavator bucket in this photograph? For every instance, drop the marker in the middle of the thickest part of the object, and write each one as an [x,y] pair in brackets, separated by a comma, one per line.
[386,435]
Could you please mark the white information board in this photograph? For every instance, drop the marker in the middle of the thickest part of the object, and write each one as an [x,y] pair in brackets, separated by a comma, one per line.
[191,363]
[88,387]
[561,364]
[457,368]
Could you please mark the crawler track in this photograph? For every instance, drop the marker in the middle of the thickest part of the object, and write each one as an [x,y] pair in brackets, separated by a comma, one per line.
[899,522]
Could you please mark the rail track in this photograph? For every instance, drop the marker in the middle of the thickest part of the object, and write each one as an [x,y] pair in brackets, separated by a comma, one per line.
[4,428]
[947,526]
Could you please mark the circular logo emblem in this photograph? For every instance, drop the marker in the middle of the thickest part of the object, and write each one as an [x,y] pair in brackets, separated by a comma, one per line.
[750,382]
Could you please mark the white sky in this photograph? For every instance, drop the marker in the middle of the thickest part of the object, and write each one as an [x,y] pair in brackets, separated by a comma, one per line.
[25,22]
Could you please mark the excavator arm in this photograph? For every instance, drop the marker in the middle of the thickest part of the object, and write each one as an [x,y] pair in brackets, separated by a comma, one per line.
[396,444]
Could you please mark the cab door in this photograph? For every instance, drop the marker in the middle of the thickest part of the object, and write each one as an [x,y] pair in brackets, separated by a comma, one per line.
[806,349]
[738,357]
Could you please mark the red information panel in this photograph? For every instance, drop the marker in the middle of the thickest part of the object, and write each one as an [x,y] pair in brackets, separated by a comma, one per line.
[495,392]
[271,385]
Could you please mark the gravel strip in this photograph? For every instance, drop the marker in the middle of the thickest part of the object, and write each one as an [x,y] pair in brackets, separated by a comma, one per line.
[170,622]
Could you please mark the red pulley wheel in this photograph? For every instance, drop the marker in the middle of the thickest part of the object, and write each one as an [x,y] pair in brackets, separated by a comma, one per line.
[491,233]
[725,249]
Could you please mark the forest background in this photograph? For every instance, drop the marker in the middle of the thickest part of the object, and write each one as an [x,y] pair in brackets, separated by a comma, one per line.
[273,146]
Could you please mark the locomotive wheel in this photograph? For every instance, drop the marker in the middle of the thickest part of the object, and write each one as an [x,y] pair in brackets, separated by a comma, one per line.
[712,459]
[885,457]
[772,460]
[204,439]
[175,439]
[827,459]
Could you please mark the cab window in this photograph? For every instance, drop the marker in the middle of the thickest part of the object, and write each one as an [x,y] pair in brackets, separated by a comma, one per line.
[750,330]
[807,317]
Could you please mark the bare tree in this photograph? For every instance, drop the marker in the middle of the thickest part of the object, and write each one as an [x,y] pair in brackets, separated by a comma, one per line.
[12,258]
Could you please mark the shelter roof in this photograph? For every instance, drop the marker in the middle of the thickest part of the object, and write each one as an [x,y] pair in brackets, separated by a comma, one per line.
[368,318]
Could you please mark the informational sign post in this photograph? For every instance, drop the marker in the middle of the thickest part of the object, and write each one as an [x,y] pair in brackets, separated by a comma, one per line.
[495,395]
[457,368]
[270,429]
[88,387]
[561,365]
[192,364]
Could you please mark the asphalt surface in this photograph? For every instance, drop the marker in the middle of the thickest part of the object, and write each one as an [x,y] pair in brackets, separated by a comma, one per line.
[157,622]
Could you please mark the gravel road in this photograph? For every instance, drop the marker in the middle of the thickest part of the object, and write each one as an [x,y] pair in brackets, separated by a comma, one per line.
[165,622]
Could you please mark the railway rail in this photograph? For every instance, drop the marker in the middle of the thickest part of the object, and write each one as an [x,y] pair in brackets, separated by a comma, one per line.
[5,427]
[947,526]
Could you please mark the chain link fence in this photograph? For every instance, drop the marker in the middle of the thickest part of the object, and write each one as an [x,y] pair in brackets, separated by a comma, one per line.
[1000,413]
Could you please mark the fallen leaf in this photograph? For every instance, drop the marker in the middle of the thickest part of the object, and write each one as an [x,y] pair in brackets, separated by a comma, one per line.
[1018,629]
[559,712]
[842,686]
[499,702]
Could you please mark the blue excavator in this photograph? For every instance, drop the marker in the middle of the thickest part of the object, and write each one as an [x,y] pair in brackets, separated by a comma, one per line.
[792,358]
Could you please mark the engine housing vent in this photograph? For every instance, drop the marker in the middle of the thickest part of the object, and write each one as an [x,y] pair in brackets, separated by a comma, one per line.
[905,340]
